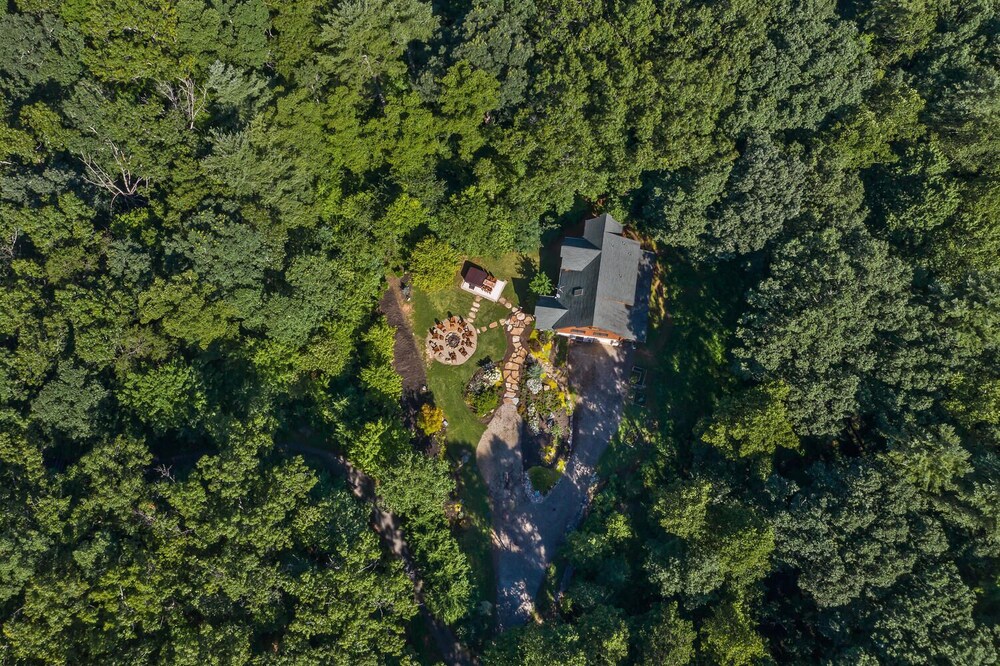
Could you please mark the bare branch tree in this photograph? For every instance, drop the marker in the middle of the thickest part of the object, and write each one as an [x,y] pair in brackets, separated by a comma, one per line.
[145,517]
[187,97]
[168,93]
[125,183]
[8,247]
[195,99]
[166,471]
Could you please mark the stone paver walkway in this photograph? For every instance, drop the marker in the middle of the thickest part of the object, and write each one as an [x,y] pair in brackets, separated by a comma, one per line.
[454,341]
[517,324]
[474,311]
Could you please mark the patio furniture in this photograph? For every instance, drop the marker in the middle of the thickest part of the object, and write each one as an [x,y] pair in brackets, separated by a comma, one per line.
[452,341]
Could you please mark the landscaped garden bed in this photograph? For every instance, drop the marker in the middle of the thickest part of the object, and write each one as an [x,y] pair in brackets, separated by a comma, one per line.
[484,389]
[545,404]
[543,479]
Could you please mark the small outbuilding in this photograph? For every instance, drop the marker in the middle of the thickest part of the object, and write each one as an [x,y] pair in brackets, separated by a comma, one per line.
[477,280]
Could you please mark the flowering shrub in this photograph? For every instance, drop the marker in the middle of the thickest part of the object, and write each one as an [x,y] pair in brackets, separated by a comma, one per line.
[549,451]
[430,419]
[492,375]
[482,392]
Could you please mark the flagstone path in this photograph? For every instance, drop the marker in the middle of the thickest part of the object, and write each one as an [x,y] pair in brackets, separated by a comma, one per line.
[475,310]
[516,326]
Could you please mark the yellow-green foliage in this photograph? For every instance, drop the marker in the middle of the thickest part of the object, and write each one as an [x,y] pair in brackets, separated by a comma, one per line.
[544,479]
[433,264]
[430,419]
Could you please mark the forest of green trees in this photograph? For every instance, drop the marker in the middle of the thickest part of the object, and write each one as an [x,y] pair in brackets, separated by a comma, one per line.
[200,201]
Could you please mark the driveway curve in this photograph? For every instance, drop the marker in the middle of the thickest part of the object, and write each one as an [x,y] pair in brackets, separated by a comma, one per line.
[527,533]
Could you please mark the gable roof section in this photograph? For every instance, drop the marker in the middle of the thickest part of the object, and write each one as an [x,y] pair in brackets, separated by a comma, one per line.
[616,282]
[599,283]
[474,275]
[595,229]
[619,270]
[576,253]
[573,304]
[548,312]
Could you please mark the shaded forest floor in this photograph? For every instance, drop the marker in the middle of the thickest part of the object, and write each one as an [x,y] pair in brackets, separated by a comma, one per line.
[692,314]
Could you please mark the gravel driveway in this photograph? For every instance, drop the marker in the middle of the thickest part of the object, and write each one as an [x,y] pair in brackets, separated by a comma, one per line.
[528,534]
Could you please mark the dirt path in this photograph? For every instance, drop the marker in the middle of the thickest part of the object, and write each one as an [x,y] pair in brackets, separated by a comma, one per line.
[407,358]
[388,527]
[527,534]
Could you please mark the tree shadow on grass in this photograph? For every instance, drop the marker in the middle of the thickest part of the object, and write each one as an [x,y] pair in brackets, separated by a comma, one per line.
[557,228]
[527,269]
[693,365]
[474,531]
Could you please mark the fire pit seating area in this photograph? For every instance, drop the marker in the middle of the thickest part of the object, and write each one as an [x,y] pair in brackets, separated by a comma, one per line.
[452,341]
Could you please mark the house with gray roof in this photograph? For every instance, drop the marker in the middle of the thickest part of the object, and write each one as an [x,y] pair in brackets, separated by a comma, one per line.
[604,284]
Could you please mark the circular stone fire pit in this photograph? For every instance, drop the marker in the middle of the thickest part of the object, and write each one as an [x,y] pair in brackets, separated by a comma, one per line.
[452,341]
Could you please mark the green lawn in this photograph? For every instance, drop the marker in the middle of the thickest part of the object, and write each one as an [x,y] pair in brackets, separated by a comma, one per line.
[543,478]
[517,269]
[447,384]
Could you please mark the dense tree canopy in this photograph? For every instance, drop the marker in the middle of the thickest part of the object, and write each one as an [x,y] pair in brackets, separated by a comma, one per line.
[199,202]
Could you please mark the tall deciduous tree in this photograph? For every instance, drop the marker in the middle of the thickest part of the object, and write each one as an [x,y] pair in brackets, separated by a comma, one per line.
[816,321]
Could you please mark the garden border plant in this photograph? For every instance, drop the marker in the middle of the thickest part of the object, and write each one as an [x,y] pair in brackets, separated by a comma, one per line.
[484,390]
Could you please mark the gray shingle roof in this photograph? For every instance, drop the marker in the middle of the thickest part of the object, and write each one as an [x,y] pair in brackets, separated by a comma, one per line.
[548,312]
[600,283]
[576,253]
[594,229]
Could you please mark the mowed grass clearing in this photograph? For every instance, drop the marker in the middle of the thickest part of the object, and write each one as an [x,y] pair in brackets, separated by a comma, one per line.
[447,384]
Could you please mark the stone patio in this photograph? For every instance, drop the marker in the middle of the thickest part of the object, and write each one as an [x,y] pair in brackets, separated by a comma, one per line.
[452,342]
